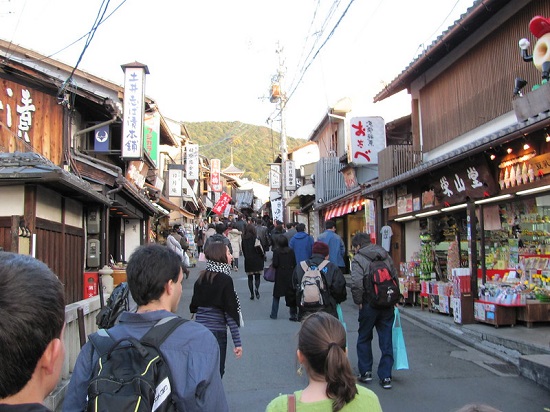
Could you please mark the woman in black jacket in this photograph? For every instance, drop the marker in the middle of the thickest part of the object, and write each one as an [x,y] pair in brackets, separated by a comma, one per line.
[215,302]
[284,262]
[253,259]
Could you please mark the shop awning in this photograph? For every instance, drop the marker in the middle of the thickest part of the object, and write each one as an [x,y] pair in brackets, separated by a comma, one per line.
[344,207]
[306,190]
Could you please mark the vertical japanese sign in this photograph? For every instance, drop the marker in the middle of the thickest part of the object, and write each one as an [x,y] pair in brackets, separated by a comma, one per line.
[134,97]
[290,175]
[275,177]
[222,203]
[102,139]
[174,182]
[367,138]
[215,175]
[151,133]
[277,209]
[192,161]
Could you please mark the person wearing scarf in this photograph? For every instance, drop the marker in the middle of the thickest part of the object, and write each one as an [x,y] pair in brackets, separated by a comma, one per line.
[215,303]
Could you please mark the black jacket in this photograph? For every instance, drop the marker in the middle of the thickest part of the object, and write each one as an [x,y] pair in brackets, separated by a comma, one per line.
[336,285]
[284,261]
[216,237]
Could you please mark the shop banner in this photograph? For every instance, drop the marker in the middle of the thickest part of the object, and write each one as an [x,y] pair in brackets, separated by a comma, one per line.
[367,138]
[151,136]
[215,175]
[132,125]
[221,204]
[469,178]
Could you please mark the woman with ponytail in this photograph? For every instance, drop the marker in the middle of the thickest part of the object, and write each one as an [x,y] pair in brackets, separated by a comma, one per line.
[332,385]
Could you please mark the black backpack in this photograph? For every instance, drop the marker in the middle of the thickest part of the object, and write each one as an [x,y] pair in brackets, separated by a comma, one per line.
[117,303]
[131,375]
[381,289]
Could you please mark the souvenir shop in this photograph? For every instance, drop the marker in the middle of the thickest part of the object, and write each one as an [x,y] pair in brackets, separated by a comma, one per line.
[476,235]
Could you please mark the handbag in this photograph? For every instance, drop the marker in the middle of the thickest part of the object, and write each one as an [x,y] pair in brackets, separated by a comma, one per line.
[400,359]
[202,257]
[258,246]
[270,273]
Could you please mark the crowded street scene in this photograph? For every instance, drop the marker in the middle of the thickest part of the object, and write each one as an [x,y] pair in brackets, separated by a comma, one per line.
[292,206]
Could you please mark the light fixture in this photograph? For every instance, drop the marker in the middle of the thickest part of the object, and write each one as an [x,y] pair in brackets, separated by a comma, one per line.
[455,207]
[431,212]
[401,219]
[547,136]
[509,150]
[526,146]
[534,190]
[492,199]
[493,156]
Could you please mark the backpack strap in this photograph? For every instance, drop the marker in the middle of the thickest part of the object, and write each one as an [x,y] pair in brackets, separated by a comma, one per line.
[304,265]
[102,342]
[161,330]
[323,264]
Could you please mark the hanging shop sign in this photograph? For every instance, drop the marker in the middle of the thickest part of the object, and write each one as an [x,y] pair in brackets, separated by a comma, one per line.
[175,175]
[275,176]
[367,138]
[134,107]
[137,173]
[469,178]
[290,175]
[215,175]
[192,161]
[405,204]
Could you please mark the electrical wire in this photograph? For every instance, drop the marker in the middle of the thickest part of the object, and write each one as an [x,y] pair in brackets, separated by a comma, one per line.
[91,33]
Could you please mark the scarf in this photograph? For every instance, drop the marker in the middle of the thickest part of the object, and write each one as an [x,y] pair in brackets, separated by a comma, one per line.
[219,267]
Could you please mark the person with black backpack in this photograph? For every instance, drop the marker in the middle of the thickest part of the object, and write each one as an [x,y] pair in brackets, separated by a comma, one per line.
[375,288]
[318,284]
[175,364]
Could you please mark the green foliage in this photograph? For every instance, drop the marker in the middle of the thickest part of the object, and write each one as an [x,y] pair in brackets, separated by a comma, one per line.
[254,147]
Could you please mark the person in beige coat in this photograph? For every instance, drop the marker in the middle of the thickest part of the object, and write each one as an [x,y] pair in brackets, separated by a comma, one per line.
[234,236]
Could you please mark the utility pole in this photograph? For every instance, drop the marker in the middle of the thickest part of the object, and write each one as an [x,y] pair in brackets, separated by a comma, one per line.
[279,97]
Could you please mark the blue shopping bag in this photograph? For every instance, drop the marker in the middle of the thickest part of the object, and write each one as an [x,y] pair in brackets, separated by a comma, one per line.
[400,359]
[341,319]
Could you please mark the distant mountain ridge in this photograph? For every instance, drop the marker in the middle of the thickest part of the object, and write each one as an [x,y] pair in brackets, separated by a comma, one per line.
[254,147]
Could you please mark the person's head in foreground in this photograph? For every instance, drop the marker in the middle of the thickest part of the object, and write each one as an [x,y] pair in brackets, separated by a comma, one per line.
[31,329]
[322,351]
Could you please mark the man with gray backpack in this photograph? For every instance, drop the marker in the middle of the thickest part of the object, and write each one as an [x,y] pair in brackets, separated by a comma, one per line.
[318,284]
[173,363]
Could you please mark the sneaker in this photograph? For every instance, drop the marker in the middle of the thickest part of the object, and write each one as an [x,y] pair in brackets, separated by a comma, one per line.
[386,383]
[293,319]
[365,378]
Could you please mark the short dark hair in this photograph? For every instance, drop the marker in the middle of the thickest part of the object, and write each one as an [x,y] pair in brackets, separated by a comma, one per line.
[300,227]
[249,231]
[216,251]
[33,314]
[149,269]
[330,224]
[360,239]
[220,228]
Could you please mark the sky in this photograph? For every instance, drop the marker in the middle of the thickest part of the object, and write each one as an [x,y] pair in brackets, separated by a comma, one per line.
[213,60]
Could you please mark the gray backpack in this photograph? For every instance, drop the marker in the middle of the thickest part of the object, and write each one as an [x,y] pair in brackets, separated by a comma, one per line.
[313,286]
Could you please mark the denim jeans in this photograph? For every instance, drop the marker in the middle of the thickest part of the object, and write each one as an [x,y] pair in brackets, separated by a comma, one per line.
[382,320]
[221,337]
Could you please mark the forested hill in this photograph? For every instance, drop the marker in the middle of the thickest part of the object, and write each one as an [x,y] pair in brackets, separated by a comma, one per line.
[253,146]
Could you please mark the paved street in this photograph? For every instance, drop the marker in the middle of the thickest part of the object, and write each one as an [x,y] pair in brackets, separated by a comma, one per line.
[444,374]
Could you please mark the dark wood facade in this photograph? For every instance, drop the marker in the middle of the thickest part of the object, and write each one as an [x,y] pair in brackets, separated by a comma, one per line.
[478,87]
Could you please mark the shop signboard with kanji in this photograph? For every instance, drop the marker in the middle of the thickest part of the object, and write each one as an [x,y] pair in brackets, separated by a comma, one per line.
[367,138]
[132,125]
[192,161]
[215,175]
[221,204]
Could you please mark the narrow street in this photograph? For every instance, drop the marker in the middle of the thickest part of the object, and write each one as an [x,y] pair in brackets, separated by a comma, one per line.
[444,373]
